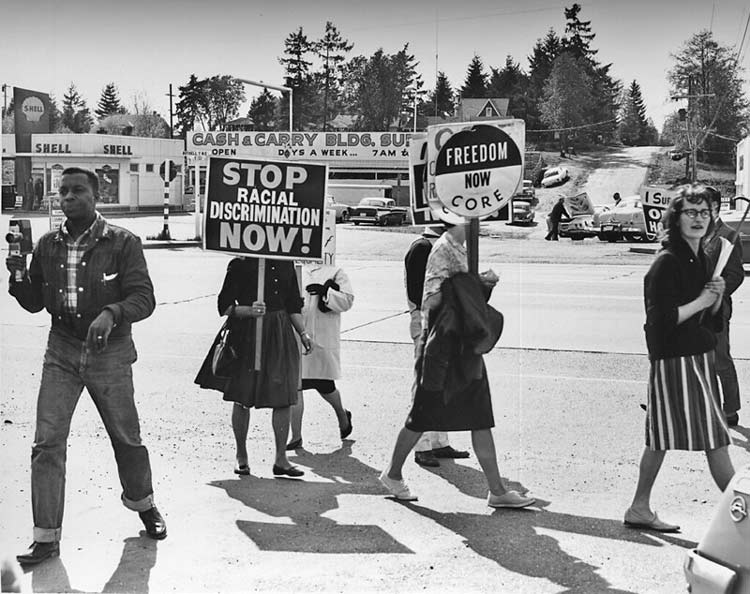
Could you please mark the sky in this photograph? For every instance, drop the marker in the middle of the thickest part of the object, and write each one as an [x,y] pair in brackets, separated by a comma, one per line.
[144,45]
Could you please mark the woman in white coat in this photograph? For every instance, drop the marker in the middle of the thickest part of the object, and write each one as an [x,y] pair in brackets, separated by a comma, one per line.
[328,292]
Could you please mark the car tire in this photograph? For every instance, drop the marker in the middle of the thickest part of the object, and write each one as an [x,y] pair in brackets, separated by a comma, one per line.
[356,223]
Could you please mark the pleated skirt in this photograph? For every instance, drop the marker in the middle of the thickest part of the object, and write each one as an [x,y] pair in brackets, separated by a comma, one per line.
[684,405]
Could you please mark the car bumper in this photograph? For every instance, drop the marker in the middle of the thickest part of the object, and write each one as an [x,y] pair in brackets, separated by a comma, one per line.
[357,219]
[705,576]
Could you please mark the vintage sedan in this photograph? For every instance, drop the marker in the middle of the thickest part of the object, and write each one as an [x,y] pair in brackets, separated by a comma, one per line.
[583,219]
[625,221]
[554,176]
[342,210]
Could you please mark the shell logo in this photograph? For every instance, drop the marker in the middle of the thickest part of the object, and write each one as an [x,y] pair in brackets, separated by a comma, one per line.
[32,108]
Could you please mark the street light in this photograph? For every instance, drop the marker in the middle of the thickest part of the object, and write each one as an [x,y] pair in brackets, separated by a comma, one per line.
[276,88]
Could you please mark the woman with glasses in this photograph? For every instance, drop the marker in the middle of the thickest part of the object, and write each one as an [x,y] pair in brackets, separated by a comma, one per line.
[682,316]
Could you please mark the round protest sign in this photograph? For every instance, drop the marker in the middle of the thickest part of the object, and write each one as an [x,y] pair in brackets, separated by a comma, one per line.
[477,171]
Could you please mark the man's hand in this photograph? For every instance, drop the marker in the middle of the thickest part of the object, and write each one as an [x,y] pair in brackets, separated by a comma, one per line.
[99,331]
[16,265]
[489,277]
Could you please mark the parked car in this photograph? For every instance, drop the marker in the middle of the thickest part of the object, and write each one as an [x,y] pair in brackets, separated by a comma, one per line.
[625,221]
[342,210]
[554,176]
[720,563]
[378,211]
[523,211]
[583,219]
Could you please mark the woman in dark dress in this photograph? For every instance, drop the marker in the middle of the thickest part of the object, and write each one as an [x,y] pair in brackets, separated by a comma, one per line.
[682,315]
[468,408]
[276,384]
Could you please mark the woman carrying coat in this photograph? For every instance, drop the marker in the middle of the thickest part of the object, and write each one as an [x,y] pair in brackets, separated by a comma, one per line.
[276,383]
[328,292]
[460,400]
[682,315]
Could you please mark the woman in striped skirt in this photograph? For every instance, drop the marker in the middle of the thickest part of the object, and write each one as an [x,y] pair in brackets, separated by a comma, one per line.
[682,315]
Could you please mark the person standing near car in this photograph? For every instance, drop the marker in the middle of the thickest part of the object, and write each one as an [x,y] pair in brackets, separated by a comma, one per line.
[433,444]
[554,218]
[733,275]
[616,198]
[92,278]
[683,313]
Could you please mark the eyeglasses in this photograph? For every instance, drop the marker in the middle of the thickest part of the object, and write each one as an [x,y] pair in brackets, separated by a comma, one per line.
[692,213]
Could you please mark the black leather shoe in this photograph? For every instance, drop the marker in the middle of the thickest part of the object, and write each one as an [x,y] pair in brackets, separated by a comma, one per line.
[155,525]
[348,431]
[426,459]
[449,452]
[292,471]
[38,552]
[294,445]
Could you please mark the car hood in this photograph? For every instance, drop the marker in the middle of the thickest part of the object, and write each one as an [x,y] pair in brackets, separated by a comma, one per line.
[579,205]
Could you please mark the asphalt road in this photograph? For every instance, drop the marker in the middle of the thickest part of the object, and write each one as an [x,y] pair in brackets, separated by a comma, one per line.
[566,377]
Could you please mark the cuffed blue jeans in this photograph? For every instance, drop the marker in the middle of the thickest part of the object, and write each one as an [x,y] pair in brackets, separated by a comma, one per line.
[69,366]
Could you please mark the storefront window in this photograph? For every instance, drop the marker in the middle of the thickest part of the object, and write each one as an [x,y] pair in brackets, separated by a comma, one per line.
[109,185]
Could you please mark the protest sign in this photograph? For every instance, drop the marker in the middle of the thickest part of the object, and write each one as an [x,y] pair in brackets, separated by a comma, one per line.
[264,208]
[474,168]
[655,201]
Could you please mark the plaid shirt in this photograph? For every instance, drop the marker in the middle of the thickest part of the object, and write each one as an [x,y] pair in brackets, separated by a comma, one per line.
[76,249]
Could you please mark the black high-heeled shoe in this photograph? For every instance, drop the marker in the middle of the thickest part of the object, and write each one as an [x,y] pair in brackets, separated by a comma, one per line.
[294,445]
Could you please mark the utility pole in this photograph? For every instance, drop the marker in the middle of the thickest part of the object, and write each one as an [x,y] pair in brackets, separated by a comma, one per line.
[5,99]
[692,139]
[171,127]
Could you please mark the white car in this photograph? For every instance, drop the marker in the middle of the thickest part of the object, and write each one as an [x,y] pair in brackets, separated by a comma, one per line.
[554,176]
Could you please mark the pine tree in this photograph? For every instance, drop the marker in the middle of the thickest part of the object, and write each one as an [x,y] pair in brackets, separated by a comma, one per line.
[510,82]
[540,67]
[578,35]
[441,99]
[262,111]
[332,49]
[475,85]
[297,48]
[633,128]
[109,102]
[75,116]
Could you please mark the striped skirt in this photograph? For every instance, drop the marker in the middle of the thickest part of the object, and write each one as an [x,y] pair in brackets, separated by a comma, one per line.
[684,405]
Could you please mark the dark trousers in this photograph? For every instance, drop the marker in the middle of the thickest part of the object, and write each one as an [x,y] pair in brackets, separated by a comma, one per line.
[726,371]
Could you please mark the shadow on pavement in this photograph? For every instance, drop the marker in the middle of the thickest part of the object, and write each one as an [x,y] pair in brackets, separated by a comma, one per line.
[511,538]
[131,575]
[306,502]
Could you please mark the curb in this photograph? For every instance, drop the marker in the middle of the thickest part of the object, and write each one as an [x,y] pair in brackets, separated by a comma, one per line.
[170,244]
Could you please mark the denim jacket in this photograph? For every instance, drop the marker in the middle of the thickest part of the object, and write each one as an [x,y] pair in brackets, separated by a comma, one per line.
[112,275]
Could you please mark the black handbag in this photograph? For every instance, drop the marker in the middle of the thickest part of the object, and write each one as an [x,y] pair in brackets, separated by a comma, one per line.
[225,357]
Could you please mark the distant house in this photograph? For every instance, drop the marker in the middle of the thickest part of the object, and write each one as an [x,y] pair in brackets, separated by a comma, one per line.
[134,124]
[241,125]
[471,110]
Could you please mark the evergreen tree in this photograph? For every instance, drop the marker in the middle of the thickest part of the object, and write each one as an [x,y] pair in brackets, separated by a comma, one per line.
[297,49]
[475,85]
[55,117]
[633,127]
[578,35]
[332,49]
[441,99]
[512,83]
[75,115]
[263,111]
[109,102]
[381,88]
[189,106]
[541,61]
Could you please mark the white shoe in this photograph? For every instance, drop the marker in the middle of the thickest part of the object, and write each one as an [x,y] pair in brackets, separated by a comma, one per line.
[510,499]
[398,489]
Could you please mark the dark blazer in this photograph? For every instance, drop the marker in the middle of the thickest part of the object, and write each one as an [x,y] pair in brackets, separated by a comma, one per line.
[734,273]
[462,329]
